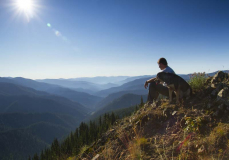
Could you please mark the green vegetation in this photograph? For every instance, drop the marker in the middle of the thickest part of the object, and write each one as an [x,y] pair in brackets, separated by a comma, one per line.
[197,80]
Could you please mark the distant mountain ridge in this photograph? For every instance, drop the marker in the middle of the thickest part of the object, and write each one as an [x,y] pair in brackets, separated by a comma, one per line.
[102,79]
[124,101]
[44,88]
[90,87]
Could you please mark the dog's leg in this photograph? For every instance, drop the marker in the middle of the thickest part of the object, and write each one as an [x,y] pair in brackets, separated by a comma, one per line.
[178,96]
[170,95]
[188,94]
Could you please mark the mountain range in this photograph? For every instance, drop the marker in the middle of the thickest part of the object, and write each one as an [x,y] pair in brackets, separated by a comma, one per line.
[34,112]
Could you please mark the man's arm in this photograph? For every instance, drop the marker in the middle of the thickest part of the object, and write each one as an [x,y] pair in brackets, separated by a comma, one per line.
[149,81]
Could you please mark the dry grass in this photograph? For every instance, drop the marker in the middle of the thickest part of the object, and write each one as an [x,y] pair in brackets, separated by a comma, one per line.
[135,146]
[110,152]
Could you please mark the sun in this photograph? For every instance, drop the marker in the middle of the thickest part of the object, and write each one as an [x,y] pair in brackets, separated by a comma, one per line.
[25,6]
[28,8]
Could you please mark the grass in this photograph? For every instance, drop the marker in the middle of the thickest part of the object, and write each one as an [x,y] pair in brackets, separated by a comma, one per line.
[109,153]
[135,146]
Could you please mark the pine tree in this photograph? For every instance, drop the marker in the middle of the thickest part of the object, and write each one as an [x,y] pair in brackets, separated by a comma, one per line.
[55,147]
[112,118]
[35,157]
[142,102]
[100,121]
[42,156]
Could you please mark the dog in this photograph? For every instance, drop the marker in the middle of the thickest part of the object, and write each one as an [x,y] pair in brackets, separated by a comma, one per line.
[175,83]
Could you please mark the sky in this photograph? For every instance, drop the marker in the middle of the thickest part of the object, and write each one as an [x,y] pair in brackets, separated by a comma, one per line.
[88,38]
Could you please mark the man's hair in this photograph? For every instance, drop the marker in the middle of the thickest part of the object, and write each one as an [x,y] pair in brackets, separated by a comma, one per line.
[162,61]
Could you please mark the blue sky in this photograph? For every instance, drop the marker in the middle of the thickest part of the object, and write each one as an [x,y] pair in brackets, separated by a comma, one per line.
[88,38]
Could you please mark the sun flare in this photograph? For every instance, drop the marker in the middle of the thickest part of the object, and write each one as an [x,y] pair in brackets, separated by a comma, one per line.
[25,5]
[28,8]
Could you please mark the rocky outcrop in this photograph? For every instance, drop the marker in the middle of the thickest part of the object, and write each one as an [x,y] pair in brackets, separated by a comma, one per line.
[219,77]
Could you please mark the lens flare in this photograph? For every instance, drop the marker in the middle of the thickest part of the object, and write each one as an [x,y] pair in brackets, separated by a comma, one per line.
[57,33]
[49,25]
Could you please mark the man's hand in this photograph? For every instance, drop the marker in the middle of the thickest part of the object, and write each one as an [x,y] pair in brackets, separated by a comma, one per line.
[146,85]
[149,81]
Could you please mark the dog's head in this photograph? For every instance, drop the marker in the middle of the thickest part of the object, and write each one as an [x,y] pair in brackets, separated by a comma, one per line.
[159,78]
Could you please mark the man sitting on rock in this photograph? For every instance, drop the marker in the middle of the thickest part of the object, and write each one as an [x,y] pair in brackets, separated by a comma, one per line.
[156,89]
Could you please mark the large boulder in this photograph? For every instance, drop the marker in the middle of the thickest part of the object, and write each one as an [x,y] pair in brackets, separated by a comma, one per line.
[219,87]
[219,77]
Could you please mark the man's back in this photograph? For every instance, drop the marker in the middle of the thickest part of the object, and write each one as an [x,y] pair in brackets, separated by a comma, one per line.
[168,70]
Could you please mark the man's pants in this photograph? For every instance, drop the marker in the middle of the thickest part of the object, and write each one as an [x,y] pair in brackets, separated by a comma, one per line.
[156,89]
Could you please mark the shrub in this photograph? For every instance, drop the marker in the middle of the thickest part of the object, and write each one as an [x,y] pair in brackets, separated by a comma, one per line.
[197,80]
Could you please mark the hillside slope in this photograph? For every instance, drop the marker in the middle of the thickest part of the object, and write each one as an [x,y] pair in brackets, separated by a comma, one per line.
[197,128]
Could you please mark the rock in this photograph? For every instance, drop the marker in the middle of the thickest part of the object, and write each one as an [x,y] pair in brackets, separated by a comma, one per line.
[226,102]
[219,77]
[223,93]
[96,157]
[208,80]
[174,112]
[208,90]
[218,88]
[213,85]
[209,105]
[201,149]
[221,107]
